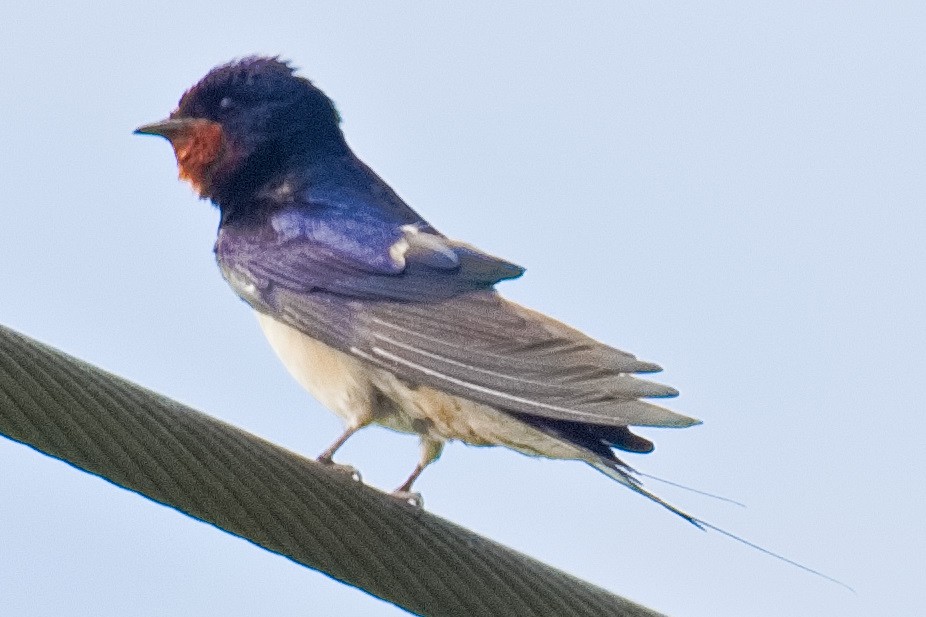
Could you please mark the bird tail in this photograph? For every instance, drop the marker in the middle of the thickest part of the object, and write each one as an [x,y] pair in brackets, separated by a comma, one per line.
[622,473]
[614,470]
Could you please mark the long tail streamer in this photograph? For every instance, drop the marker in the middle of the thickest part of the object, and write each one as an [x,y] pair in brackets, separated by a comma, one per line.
[613,471]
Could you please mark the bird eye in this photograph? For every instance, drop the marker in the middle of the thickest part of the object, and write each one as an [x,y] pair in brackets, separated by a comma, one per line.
[226,102]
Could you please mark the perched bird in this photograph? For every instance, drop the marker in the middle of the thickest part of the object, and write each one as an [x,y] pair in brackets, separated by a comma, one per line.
[376,313]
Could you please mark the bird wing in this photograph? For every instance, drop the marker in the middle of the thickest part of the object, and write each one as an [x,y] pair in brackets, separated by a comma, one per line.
[355,257]
[422,306]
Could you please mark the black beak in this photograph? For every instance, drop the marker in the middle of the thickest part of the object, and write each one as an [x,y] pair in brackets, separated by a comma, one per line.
[168,128]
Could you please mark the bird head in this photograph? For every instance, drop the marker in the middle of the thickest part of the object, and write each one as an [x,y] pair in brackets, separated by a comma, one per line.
[244,122]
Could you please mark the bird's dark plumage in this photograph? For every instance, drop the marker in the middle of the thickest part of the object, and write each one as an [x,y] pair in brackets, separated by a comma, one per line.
[313,239]
[380,316]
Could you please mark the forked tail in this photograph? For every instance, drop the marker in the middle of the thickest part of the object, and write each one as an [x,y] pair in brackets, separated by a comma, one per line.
[616,471]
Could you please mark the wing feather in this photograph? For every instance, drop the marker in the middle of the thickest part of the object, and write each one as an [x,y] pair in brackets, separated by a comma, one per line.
[423,307]
[483,347]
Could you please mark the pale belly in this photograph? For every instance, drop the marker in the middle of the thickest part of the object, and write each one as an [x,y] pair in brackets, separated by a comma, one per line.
[362,394]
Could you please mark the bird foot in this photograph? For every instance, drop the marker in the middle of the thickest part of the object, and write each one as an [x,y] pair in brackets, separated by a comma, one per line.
[415,500]
[349,470]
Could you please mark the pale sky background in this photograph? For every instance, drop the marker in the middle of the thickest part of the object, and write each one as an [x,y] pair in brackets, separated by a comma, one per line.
[733,191]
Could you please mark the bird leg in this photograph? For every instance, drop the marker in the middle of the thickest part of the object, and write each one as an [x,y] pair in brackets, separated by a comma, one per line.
[325,458]
[430,452]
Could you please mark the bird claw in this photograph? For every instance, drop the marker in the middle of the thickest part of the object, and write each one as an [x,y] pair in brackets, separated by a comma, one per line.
[349,470]
[414,500]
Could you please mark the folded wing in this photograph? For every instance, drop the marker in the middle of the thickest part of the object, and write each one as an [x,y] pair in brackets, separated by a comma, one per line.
[424,308]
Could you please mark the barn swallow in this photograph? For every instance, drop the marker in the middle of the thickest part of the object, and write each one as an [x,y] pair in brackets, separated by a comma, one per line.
[380,316]
[377,314]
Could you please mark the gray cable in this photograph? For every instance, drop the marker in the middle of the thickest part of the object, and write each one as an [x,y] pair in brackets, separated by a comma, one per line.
[212,471]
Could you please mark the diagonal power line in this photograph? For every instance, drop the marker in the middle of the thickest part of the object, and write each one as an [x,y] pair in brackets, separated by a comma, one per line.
[215,472]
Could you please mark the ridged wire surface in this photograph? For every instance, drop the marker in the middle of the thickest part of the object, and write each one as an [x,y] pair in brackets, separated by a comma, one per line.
[285,503]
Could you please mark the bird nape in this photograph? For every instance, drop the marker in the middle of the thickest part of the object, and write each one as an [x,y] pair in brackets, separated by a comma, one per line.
[376,313]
